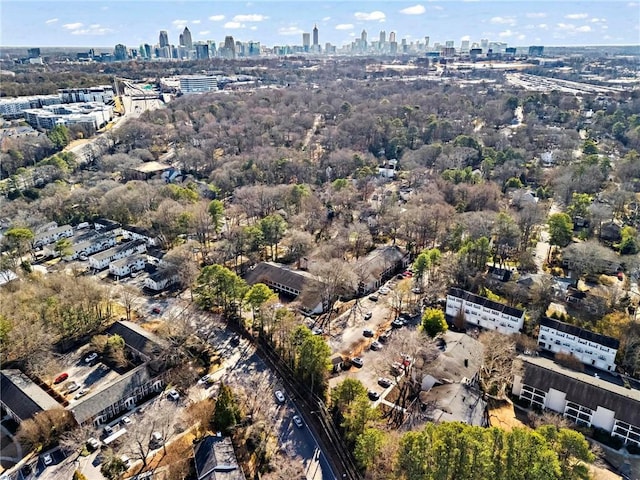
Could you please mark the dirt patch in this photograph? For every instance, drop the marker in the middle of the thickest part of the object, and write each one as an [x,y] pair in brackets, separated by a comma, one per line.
[504,417]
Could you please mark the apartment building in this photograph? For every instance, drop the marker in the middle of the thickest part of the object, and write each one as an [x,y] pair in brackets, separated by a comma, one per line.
[125,266]
[482,312]
[102,260]
[53,235]
[584,399]
[590,348]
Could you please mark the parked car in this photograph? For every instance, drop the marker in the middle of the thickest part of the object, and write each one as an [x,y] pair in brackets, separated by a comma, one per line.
[204,380]
[384,290]
[384,382]
[235,341]
[126,420]
[373,395]
[156,310]
[156,440]
[317,331]
[298,421]
[81,393]
[373,298]
[375,346]
[61,378]
[47,459]
[368,315]
[93,443]
[279,396]
[385,337]
[367,332]
[397,323]
[91,357]
[357,361]
[126,460]
[108,430]
[72,387]
[173,395]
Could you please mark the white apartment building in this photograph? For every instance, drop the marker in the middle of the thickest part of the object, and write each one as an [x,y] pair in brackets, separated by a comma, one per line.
[91,114]
[590,348]
[102,260]
[482,312]
[125,266]
[198,83]
[136,233]
[582,398]
[93,245]
[15,107]
[101,93]
[53,235]
[160,280]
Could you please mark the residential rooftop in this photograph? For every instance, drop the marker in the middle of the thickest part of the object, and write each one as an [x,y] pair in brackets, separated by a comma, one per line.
[485,302]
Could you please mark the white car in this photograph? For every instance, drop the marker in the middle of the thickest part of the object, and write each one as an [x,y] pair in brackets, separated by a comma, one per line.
[173,395]
[93,443]
[204,380]
[298,421]
[126,420]
[47,459]
[91,357]
[81,393]
[279,396]
[383,290]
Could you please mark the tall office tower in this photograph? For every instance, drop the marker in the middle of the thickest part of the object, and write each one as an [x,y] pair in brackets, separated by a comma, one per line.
[213,50]
[464,46]
[181,40]
[147,51]
[120,53]
[229,47]
[426,43]
[383,37]
[306,41]
[186,38]
[392,37]
[164,39]
[449,44]
[315,37]
[202,50]
[363,39]
[484,44]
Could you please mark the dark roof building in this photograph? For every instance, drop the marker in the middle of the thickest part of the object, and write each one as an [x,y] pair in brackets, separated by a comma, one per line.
[584,399]
[21,397]
[139,341]
[215,459]
[298,284]
[483,312]
[378,266]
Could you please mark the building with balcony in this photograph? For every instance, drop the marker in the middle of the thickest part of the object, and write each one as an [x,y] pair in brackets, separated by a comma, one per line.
[482,312]
[590,348]
[102,260]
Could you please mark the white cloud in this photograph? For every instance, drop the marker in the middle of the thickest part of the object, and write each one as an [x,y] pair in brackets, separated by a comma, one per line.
[376,15]
[536,15]
[253,27]
[598,20]
[503,21]
[216,18]
[180,24]
[437,7]
[576,16]
[326,19]
[506,34]
[521,37]
[250,18]
[344,26]
[414,10]
[569,29]
[51,20]
[583,29]
[234,25]
[73,26]
[466,38]
[95,29]
[204,32]
[290,31]
[195,22]
[543,26]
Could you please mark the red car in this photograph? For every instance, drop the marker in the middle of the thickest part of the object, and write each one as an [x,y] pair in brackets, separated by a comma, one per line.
[61,378]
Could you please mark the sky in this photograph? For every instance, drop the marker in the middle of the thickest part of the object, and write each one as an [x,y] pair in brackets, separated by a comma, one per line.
[99,23]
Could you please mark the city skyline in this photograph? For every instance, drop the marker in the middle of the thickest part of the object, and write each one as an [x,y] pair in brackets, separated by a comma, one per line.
[518,23]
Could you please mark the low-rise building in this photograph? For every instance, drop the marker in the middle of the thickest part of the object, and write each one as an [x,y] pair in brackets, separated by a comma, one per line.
[105,225]
[161,280]
[102,260]
[482,312]
[131,232]
[379,266]
[93,243]
[215,459]
[125,266]
[584,399]
[590,348]
[21,397]
[53,235]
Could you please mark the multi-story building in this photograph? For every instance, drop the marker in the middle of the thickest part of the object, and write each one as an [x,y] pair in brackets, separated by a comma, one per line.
[101,93]
[15,107]
[198,83]
[53,235]
[102,260]
[590,348]
[126,266]
[584,399]
[120,53]
[91,114]
[92,245]
[482,312]
[306,41]
[163,39]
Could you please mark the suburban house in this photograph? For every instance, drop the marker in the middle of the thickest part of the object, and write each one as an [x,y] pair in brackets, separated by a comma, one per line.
[53,235]
[131,232]
[97,243]
[160,280]
[21,397]
[379,266]
[298,284]
[215,459]
[482,312]
[449,390]
[105,225]
[127,265]
[116,397]
[102,260]
[590,348]
[582,398]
